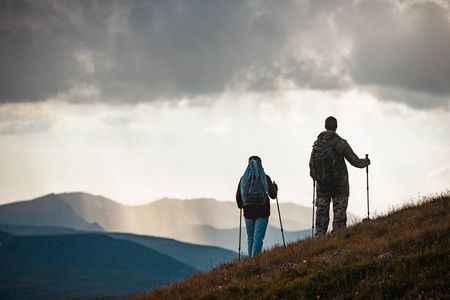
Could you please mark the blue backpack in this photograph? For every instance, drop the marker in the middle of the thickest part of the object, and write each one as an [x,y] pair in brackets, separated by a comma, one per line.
[254,194]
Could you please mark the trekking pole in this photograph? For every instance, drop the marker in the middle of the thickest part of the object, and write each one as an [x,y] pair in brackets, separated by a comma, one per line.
[314,198]
[367,177]
[240,226]
[281,225]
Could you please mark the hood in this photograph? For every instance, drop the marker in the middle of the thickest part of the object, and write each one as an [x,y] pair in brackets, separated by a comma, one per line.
[328,137]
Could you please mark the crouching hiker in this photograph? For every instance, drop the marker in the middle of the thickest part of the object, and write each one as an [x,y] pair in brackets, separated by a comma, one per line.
[252,195]
[328,169]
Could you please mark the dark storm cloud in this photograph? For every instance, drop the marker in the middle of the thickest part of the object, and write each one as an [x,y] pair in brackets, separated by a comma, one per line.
[28,48]
[400,51]
[38,40]
[134,51]
[144,50]
[190,48]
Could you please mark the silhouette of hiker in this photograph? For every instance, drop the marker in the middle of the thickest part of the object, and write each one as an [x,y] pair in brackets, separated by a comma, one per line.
[335,187]
[252,195]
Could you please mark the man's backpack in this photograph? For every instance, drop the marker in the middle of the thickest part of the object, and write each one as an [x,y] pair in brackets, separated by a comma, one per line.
[254,194]
[324,167]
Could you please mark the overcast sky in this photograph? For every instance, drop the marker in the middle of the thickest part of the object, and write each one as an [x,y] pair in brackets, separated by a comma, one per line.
[139,100]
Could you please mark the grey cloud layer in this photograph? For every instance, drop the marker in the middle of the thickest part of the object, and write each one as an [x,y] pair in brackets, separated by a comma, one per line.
[133,51]
[400,50]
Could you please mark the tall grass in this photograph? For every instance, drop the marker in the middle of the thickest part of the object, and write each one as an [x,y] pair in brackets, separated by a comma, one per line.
[404,254]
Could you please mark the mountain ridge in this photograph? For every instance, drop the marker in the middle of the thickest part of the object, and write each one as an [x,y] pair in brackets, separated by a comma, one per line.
[47,210]
[81,265]
[200,257]
[168,218]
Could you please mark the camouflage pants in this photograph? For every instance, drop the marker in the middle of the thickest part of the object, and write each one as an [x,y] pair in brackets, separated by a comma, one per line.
[323,214]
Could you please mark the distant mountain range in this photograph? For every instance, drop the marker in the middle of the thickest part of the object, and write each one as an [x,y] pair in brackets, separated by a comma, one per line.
[49,210]
[197,256]
[198,221]
[81,265]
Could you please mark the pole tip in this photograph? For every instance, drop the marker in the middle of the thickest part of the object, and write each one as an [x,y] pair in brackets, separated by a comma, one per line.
[367,155]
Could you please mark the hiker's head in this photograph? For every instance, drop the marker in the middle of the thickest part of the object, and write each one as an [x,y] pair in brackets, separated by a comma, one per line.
[331,124]
[254,157]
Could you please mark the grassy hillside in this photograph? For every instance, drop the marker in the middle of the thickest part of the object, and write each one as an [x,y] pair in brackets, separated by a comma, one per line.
[404,254]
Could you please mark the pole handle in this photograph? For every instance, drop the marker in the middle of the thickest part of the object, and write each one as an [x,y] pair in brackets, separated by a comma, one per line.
[367,167]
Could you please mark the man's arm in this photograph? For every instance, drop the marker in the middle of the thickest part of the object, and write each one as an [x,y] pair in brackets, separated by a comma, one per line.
[352,158]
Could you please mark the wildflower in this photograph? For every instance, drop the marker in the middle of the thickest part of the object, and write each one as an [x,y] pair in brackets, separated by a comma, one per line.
[288,265]
[304,261]
[420,296]
[385,256]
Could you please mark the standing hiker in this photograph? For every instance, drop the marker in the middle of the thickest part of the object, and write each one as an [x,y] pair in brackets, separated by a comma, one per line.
[252,195]
[327,167]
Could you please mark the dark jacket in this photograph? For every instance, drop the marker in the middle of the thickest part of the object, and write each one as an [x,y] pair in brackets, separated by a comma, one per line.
[343,150]
[254,212]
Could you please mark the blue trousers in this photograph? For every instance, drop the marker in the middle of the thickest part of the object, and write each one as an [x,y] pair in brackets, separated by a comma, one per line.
[256,231]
